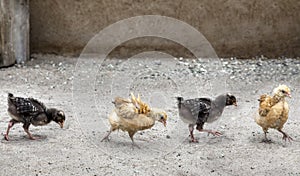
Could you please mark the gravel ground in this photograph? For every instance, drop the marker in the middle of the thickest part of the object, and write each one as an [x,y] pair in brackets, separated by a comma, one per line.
[84,90]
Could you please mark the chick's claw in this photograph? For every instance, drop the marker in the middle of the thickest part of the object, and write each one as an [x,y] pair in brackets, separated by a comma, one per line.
[104,139]
[194,141]
[287,137]
[268,141]
[135,145]
[33,138]
[214,133]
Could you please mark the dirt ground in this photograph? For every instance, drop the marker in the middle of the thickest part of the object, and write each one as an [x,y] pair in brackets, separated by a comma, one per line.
[84,90]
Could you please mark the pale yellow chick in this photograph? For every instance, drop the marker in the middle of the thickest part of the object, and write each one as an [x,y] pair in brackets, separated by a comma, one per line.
[274,110]
[133,115]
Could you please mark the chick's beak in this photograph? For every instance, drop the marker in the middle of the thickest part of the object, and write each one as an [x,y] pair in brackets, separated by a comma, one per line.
[235,103]
[61,124]
[164,122]
[289,95]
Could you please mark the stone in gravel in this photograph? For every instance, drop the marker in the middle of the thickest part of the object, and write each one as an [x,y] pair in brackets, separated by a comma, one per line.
[157,62]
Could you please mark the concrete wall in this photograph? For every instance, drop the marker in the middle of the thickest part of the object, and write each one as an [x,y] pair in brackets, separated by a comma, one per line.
[242,28]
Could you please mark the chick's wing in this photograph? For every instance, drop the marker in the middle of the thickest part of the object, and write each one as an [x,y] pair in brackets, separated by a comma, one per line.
[199,108]
[265,104]
[125,108]
[277,115]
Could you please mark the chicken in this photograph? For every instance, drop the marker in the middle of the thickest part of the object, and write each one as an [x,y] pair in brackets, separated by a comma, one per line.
[133,115]
[273,111]
[201,110]
[31,111]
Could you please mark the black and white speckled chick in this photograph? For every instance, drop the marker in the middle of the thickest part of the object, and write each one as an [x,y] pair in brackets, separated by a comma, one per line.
[31,111]
[201,110]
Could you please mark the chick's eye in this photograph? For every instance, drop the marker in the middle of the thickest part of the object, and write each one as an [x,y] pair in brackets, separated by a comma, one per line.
[283,91]
[161,117]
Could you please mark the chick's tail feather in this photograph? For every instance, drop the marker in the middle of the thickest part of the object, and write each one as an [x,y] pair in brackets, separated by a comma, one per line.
[10,95]
[179,101]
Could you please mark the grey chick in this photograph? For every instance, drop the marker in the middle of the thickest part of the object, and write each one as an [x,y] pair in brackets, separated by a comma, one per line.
[200,110]
[31,111]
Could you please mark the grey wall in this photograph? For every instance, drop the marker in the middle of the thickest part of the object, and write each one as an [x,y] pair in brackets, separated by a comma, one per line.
[242,28]
[14,31]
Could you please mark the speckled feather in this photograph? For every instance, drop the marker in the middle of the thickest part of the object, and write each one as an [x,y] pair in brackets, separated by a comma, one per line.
[28,106]
[199,108]
[27,110]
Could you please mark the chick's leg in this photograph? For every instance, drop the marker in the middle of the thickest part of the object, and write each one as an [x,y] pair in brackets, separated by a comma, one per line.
[191,129]
[26,129]
[266,139]
[200,128]
[10,124]
[131,133]
[106,136]
[285,136]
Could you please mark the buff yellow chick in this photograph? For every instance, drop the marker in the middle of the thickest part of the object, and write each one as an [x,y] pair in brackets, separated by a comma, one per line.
[273,111]
[133,115]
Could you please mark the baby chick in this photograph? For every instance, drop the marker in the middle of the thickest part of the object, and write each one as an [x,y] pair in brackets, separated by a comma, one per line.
[31,111]
[273,111]
[133,115]
[201,110]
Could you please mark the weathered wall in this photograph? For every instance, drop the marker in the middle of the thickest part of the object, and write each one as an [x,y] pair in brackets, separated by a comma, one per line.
[239,28]
[14,31]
